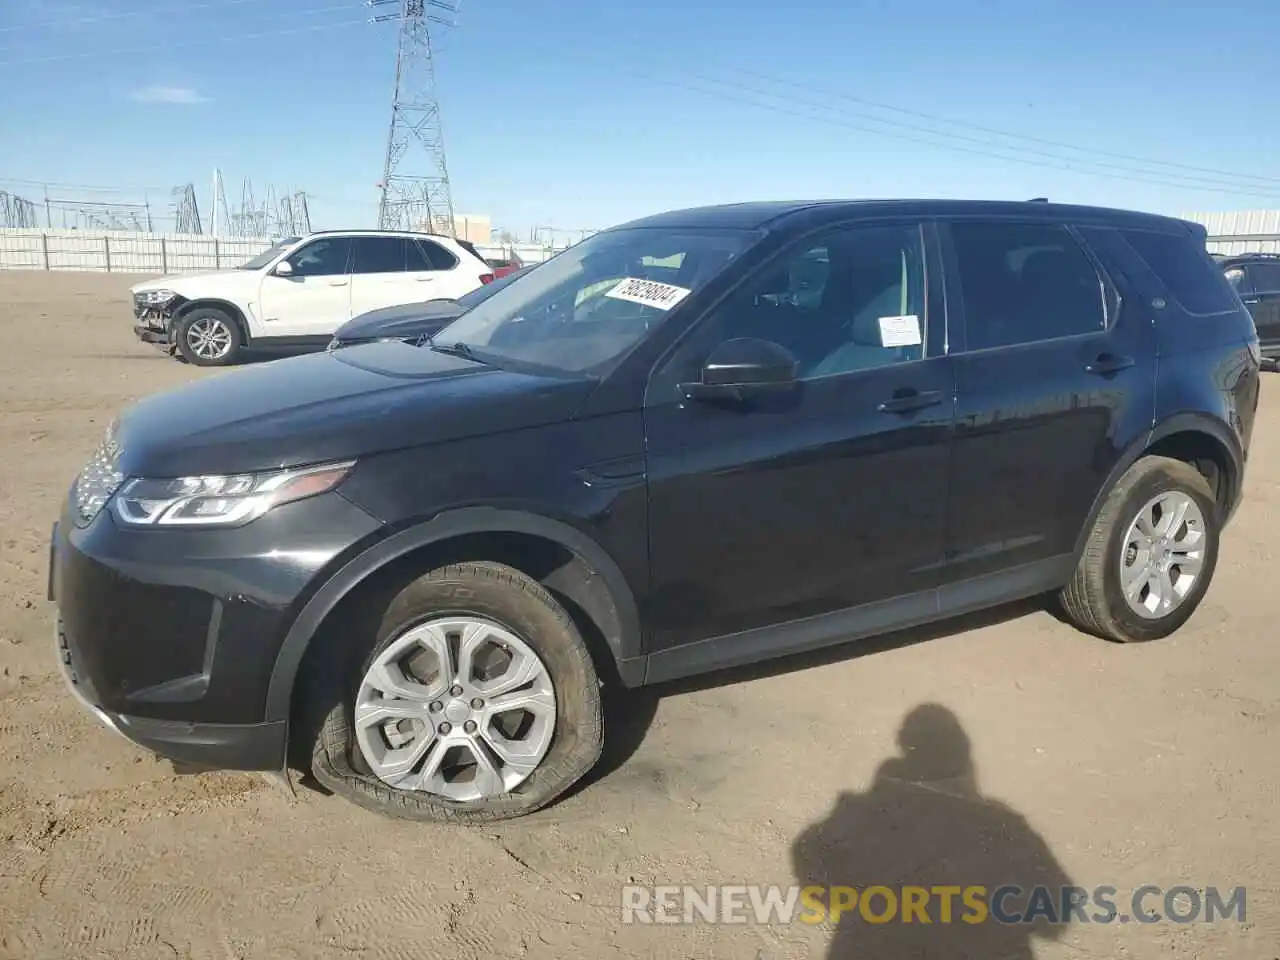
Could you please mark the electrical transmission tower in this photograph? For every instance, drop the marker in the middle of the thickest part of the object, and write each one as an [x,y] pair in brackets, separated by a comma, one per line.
[415,179]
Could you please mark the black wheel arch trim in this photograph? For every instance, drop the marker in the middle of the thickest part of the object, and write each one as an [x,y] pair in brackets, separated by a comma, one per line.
[1178,423]
[442,527]
[226,306]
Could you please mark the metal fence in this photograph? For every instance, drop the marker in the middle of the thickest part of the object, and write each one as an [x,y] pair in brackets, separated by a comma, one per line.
[122,251]
[1241,231]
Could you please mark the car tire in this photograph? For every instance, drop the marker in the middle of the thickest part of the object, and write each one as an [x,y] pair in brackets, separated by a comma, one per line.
[208,337]
[1095,599]
[497,595]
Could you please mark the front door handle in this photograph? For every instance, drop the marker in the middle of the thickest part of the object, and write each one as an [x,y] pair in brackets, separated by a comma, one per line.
[1252,300]
[1108,363]
[337,283]
[910,402]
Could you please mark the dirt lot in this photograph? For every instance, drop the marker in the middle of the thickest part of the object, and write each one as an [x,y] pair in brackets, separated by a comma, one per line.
[1092,764]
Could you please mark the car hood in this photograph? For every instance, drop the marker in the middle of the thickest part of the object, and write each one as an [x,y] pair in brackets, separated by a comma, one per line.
[404,321]
[177,280]
[333,406]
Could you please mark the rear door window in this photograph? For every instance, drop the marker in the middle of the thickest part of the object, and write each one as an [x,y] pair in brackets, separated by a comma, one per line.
[379,255]
[1185,269]
[1024,283]
[1265,277]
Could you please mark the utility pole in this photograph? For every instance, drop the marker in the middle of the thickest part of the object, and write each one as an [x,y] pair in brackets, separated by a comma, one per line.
[415,178]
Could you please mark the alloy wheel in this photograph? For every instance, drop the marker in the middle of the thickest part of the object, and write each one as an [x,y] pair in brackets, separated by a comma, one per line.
[1164,552]
[458,707]
[209,338]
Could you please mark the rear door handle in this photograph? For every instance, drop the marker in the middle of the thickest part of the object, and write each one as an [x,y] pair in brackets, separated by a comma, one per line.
[910,402]
[1107,363]
[1252,300]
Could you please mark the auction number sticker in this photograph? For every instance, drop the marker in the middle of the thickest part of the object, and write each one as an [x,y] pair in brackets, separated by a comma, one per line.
[651,293]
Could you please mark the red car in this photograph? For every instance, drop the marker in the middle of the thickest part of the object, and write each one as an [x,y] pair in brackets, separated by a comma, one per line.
[503,267]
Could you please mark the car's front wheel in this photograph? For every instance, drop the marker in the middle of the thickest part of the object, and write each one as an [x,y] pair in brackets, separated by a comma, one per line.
[476,701]
[207,337]
[1150,555]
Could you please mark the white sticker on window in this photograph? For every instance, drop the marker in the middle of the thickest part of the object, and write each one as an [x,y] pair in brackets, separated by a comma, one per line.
[900,331]
[651,293]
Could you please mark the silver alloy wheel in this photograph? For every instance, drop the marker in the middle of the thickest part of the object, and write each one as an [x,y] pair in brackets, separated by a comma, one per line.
[1163,554]
[458,707]
[209,338]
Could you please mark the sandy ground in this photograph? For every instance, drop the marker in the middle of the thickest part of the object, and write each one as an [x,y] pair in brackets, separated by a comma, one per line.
[1092,764]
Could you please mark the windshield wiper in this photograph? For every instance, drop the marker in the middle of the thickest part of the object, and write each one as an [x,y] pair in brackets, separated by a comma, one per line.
[458,349]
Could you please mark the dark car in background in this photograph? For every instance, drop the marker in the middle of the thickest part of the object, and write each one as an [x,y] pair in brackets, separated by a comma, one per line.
[414,322]
[1256,277]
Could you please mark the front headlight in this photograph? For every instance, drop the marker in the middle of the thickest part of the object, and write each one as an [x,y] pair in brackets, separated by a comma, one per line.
[99,479]
[224,501]
[155,298]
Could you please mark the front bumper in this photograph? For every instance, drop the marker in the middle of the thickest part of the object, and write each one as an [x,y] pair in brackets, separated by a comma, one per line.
[228,746]
[170,637]
[151,335]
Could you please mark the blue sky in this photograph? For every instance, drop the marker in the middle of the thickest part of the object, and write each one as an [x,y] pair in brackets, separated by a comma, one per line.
[581,114]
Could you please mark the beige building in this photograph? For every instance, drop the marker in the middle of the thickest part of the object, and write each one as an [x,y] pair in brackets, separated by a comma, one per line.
[475,227]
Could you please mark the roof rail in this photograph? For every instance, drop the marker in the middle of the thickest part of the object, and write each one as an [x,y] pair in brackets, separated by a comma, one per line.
[1038,200]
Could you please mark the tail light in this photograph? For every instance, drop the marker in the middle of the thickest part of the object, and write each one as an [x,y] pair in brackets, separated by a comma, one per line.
[486,278]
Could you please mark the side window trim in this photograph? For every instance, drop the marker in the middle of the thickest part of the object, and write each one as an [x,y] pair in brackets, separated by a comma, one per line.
[957,315]
[932,299]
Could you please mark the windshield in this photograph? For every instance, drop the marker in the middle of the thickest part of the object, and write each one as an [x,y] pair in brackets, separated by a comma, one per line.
[266,256]
[586,307]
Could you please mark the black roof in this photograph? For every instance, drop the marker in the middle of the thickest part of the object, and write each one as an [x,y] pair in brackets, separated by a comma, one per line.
[774,213]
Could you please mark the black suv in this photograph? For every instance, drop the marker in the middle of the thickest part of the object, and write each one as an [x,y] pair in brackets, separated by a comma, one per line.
[1256,277]
[701,439]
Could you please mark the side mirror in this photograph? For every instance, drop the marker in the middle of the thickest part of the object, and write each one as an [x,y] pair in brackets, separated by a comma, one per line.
[744,367]
[283,269]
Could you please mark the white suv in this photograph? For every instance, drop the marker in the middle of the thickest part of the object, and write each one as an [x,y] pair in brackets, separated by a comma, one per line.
[299,292]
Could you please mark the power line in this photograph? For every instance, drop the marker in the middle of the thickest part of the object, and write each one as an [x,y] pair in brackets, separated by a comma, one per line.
[1069,164]
[104,17]
[1178,179]
[1003,133]
[130,51]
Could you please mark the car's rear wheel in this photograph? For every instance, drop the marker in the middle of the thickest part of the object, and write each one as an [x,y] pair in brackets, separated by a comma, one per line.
[476,701]
[208,337]
[1150,556]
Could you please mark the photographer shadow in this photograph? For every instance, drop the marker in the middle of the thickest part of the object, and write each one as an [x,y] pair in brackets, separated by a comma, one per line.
[923,823]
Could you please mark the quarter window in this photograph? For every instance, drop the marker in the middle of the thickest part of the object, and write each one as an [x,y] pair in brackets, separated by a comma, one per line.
[424,255]
[1025,282]
[1185,270]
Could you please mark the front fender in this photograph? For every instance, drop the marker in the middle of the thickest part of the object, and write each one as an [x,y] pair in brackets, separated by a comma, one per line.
[625,646]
